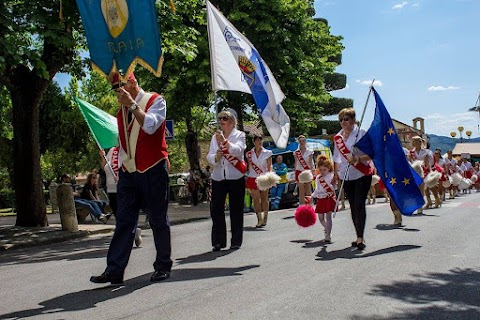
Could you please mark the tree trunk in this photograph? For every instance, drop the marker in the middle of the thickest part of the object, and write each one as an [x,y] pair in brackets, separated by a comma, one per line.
[26,94]
[191,143]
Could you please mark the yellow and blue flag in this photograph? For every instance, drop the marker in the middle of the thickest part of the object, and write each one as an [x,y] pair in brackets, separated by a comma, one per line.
[381,143]
[122,33]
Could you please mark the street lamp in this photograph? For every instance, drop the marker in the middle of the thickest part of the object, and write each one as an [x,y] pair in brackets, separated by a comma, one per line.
[460,129]
[453,134]
[468,133]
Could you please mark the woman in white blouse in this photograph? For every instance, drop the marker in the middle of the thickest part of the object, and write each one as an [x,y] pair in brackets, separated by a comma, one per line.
[303,161]
[352,165]
[259,162]
[226,156]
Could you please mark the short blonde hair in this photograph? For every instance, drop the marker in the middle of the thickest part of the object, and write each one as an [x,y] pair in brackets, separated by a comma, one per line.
[346,112]
[228,114]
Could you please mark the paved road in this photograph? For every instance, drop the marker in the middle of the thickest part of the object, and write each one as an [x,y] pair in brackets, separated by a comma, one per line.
[429,269]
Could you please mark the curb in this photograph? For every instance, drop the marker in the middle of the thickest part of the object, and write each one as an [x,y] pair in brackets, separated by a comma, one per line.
[57,236]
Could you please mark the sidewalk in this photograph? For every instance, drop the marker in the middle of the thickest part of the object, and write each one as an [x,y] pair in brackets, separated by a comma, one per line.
[12,237]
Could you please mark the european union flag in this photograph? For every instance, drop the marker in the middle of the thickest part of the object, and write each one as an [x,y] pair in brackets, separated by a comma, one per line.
[381,143]
[122,33]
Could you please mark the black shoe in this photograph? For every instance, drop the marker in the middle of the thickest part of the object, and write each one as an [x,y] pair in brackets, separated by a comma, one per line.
[160,276]
[107,277]
[234,247]
[361,246]
[354,244]
[216,247]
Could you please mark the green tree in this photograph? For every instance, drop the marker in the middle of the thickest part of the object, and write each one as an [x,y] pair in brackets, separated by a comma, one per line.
[36,44]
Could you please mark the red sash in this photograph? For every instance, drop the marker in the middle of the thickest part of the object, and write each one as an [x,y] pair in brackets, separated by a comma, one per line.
[298,154]
[340,143]
[254,166]
[114,161]
[237,163]
[326,187]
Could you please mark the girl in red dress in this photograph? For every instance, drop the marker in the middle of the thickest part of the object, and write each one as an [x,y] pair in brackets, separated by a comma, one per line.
[325,194]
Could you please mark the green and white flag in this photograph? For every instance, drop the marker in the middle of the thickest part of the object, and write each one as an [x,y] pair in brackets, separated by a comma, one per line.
[102,125]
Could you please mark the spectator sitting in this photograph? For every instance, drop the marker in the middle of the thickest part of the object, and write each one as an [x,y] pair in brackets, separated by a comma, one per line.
[93,207]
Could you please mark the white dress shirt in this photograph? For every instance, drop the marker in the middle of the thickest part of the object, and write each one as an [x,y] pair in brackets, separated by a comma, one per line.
[305,155]
[320,191]
[222,169]
[353,173]
[261,161]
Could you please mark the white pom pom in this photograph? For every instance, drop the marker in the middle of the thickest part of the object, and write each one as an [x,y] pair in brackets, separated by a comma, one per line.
[474,178]
[417,166]
[447,183]
[267,180]
[456,178]
[375,179]
[432,179]
[305,176]
[464,184]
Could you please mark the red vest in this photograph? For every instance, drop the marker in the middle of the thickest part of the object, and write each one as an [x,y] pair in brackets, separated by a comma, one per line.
[150,148]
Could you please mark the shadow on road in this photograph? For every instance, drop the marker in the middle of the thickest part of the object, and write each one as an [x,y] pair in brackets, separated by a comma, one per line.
[203,257]
[86,248]
[87,299]
[451,295]
[253,229]
[352,253]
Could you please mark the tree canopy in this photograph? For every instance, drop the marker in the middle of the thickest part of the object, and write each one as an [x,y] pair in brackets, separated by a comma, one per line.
[41,121]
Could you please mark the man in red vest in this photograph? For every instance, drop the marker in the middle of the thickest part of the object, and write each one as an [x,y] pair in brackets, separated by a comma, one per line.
[143,179]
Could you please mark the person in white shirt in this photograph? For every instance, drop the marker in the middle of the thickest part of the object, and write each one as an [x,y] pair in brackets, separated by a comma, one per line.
[303,161]
[226,155]
[259,162]
[351,165]
[325,194]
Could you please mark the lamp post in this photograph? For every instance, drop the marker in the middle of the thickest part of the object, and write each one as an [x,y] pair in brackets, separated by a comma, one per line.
[453,134]
[468,133]
[460,129]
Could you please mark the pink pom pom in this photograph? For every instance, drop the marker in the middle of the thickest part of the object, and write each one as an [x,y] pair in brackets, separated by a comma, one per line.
[305,216]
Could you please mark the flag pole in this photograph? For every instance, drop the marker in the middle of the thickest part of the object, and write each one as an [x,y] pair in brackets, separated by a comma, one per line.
[356,138]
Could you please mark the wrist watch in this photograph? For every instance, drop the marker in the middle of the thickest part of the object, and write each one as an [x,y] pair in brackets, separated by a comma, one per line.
[133,107]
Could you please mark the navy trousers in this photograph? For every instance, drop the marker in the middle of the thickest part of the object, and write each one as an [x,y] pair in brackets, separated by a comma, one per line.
[147,191]
[236,194]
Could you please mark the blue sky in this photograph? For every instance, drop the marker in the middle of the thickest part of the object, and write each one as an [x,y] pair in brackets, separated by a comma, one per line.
[423,54]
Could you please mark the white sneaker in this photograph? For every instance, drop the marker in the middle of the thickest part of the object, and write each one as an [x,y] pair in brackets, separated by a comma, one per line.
[138,237]
[103,218]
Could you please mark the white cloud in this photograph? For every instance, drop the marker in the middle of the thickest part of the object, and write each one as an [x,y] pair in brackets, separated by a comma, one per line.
[376,83]
[400,5]
[443,124]
[415,5]
[442,88]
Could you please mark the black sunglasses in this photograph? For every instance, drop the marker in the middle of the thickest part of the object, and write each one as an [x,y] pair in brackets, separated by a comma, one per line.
[224,118]
[344,119]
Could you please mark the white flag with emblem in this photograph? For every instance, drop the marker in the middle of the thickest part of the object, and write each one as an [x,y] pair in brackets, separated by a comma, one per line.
[237,65]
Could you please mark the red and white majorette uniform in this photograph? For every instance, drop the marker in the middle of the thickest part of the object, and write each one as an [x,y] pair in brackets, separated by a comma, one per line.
[421,155]
[468,171]
[303,161]
[450,164]
[325,193]
[143,150]
[258,166]
[440,167]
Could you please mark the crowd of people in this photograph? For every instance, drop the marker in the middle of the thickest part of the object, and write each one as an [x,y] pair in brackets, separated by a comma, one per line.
[137,179]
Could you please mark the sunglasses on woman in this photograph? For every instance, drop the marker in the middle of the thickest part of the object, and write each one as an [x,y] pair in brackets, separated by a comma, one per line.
[224,118]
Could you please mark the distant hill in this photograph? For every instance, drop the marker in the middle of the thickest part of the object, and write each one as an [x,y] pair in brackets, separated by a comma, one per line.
[446,143]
